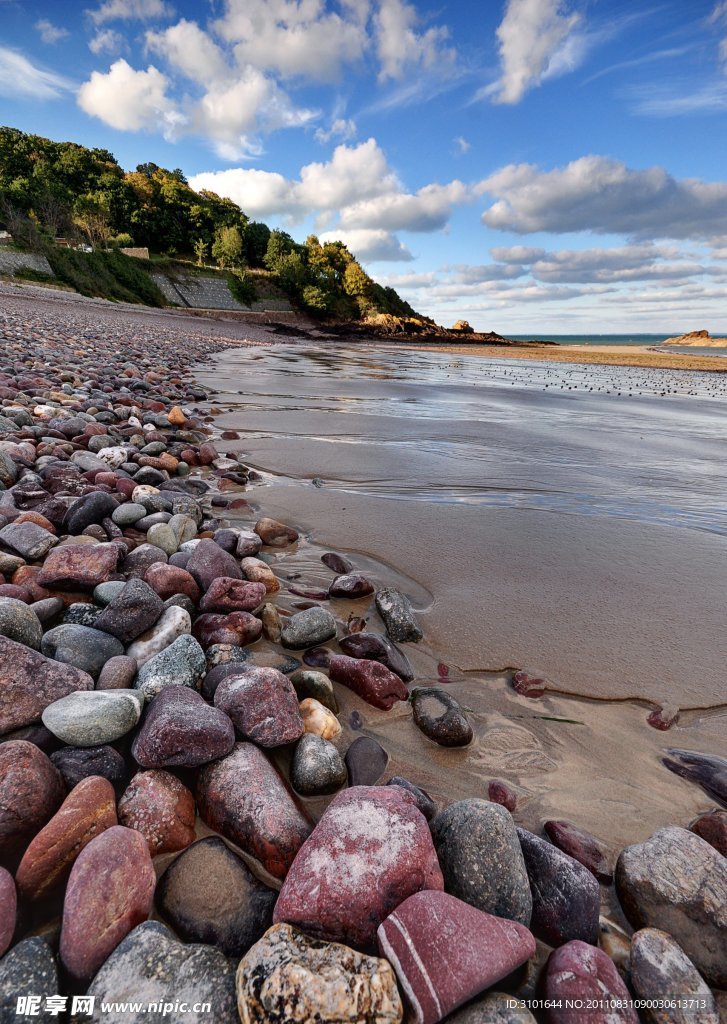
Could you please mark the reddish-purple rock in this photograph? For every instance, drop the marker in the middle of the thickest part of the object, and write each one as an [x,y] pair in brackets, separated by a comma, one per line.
[79,565]
[445,952]
[370,851]
[117,674]
[8,910]
[244,798]
[371,680]
[712,827]
[181,730]
[209,561]
[351,585]
[168,580]
[500,793]
[229,595]
[159,806]
[238,628]
[262,705]
[566,896]
[529,684]
[585,976]
[29,682]
[88,810]
[582,846]
[31,791]
[110,891]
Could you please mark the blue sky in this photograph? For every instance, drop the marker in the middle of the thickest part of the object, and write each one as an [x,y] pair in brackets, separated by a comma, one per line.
[539,166]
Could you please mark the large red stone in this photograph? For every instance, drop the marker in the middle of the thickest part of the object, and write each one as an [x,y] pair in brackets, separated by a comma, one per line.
[168,580]
[79,565]
[228,595]
[582,846]
[110,891]
[445,952]
[583,975]
[8,910]
[180,730]
[372,681]
[370,851]
[29,682]
[159,806]
[88,810]
[243,797]
[209,561]
[262,705]
[238,628]
[31,791]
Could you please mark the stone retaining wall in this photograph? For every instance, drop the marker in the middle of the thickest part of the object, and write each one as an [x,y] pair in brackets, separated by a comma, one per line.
[212,293]
[11,262]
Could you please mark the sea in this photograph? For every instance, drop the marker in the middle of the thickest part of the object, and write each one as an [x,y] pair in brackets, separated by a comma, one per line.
[626,340]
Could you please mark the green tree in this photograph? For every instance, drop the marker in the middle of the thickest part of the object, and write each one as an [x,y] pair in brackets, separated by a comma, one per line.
[200,251]
[227,247]
[280,245]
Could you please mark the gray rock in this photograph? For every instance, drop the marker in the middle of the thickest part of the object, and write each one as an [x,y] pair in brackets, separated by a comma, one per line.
[20,623]
[92,718]
[317,768]
[440,716]
[77,763]
[151,966]
[396,611]
[86,648]
[48,609]
[481,859]
[29,540]
[128,514]
[8,470]
[164,537]
[208,894]
[80,614]
[677,882]
[183,663]
[662,973]
[308,628]
[494,1008]
[106,592]
[366,760]
[27,969]
[132,612]
[138,561]
[174,622]
[309,683]
[91,508]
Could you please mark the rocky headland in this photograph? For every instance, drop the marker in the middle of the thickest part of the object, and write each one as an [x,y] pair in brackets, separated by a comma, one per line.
[181,822]
[696,339]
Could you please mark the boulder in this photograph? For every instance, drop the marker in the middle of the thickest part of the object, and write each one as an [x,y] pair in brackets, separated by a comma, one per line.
[579,976]
[74,566]
[31,791]
[262,705]
[161,808]
[180,730]
[29,682]
[664,977]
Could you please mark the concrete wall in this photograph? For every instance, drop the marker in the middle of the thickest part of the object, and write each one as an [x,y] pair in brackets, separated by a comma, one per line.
[10,262]
[211,293]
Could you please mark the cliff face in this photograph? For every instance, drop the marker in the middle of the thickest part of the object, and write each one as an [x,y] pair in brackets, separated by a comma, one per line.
[697,339]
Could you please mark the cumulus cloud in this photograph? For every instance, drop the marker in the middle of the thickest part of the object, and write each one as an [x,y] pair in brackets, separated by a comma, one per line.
[429,209]
[370,246]
[604,196]
[21,79]
[106,40]
[186,47]
[533,41]
[50,33]
[341,128]
[402,49]
[517,254]
[130,10]
[130,100]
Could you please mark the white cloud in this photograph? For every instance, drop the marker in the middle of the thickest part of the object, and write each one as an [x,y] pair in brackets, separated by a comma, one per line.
[370,246]
[341,128]
[534,42]
[603,195]
[665,101]
[402,49]
[190,50]
[130,10]
[517,254]
[130,100]
[463,146]
[106,40]
[50,33]
[19,78]
[429,209]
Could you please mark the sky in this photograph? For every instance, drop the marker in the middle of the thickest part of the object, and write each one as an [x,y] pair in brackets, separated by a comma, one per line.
[531,166]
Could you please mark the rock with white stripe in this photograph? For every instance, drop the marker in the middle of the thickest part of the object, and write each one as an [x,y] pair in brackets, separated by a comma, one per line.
[445,952]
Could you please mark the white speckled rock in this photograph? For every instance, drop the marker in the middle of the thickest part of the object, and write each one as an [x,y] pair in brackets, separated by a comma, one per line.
[174,622]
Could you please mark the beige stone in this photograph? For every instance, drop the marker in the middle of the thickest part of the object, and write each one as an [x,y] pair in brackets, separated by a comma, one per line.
[319,720]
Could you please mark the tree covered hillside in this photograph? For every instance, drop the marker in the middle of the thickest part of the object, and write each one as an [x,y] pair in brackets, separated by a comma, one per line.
[51,188]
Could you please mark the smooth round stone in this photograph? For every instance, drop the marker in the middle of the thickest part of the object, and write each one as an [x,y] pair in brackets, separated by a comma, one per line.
[180,730]
[31,791]
[351,586]
[8,911]
[500,793]
[317,768]
[82,646]
[28,969]
[78,763]
[239,628]
[272,622]
[248,544]
[208,894]
[117,674]
[319,720]
[209,561]
[230,595]
[579,973]
[481,858]
[287,976]
[150,967]
[48,609]
[19,622]
[712,827]
[110,891]
[366,760]
[581,845]
[173,623]
[181,664]
[308,629]
[168,580]
[396,611]
[440,717]
[309,683]
[184,527]
[132,612]
[423,800]
[128,514]
[274,533]
[493,1008]
[159,806]
[706,770]
[337,563]
[105,593]
[155,519]
[138,561]
[258,571]
[372,681]
[262,706]
[375,647]
[91,508]
[92,718]
[163,536]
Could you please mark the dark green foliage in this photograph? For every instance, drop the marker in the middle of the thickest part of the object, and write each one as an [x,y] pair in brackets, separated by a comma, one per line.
[109,275]
[30,274]
[243,288]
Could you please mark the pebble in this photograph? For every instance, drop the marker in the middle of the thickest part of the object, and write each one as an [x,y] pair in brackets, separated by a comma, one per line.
[257,571]
[366,761]
[308,683]
[288,976]
[500,793]
[712,827]
[117,674]
[128,514]
[529,684]
[168,580]
[28,540]
[262,706]
[440,717]
[88,810]
[82,646]
[317,768]
[150,966]
[272,622]
[81,566]
[78,763]
[173,623]
[481,858]
[377,648]
[238,628]
[423,800]
[243,798]
[274,533]
[708,770]
[350,586]
[566,896]
[8,913]
[578,974]
[28,969]
[208,894]
[180,730]
[308,628]
[677,882]
[110,891]
[372,681]
[131,612]
[319,720]
[20,623]
[248,544]
[161,535]
[445,952]
[369,851]
[396,611]
[580,845]
[181,664]
[31,791]
[161,808]
[209,561]
[29,682]
[86,719]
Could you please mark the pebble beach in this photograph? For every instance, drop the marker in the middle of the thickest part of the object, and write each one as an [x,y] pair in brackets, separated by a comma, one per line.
[196,824]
